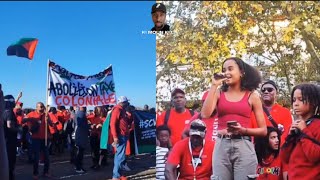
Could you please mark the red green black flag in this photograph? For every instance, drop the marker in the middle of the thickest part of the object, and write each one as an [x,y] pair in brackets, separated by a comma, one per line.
[25,47]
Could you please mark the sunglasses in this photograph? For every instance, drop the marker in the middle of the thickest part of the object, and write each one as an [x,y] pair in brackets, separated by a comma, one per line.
[267,89]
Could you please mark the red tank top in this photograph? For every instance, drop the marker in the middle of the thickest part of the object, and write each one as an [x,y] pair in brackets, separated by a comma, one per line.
[233,111]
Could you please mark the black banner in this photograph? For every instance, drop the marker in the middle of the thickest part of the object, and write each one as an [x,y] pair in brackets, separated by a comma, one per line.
[145,132]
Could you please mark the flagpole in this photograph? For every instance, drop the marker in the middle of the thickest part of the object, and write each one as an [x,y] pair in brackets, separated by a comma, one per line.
[46,117]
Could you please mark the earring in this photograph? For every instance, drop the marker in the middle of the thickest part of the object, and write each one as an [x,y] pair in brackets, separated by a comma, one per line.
[316,111]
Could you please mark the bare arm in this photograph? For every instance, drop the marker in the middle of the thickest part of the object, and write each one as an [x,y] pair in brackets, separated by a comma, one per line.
[170,172]
[210,103]
[19,96]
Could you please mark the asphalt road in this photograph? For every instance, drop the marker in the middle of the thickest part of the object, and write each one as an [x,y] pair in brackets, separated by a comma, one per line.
[143,167]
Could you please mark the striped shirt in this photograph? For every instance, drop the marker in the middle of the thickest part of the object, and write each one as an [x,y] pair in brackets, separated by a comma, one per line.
[160,162]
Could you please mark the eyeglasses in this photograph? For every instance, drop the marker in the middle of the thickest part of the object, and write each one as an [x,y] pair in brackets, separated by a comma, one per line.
[267,89]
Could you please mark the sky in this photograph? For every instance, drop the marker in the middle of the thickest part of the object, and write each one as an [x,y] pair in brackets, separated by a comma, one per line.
[84,38]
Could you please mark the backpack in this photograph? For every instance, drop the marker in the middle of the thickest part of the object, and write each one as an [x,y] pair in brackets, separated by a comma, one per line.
[166,118]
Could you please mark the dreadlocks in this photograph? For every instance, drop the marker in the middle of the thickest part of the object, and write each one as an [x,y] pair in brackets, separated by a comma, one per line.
[310,94]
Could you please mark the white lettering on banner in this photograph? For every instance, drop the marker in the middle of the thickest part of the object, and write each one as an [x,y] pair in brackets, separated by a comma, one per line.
[151,133]
[69,89]
[147,123]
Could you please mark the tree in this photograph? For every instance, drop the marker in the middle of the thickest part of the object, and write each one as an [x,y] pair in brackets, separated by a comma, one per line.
[281,38]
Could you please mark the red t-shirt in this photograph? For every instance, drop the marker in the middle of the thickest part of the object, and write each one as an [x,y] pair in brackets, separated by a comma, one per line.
[273,171]
[96,120]
[63,116]
[57,124]
[180,155]
[281,115]
[304,158]
[40,134]
[176,123]
[211,124]
[119,122]
[19,117]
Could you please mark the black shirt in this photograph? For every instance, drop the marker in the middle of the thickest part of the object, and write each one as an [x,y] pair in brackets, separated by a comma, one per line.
[10,134]
[165,28]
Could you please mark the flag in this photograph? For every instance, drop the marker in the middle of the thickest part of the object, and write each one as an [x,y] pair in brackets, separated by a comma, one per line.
[105,132]
[25,47]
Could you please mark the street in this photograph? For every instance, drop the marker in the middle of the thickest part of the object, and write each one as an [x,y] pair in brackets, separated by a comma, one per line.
[143,167]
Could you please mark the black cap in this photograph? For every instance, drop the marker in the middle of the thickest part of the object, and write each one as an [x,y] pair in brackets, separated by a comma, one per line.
[177,90]
[9,98]
[270,82]
[159,7]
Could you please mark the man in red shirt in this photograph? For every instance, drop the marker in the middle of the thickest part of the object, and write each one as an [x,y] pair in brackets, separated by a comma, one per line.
[36,121]
[194,155]
[280,114]
[177,117]
[119,125]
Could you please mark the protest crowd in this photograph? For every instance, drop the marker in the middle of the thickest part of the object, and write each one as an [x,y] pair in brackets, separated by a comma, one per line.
[73,129]
[241,131]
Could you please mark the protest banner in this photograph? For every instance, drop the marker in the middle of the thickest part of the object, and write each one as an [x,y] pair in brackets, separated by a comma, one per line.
[144,132]
[69,89]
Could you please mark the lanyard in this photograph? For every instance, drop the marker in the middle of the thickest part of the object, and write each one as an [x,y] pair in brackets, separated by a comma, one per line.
[195,161]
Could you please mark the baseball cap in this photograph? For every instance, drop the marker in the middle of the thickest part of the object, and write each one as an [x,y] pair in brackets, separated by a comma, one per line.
[198,127]
[177,90]
[9,98]
[159,7]
[270,82]
[122,99]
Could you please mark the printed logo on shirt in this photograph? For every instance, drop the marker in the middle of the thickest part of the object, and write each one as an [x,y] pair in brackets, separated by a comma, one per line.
[269,170]
[215,129]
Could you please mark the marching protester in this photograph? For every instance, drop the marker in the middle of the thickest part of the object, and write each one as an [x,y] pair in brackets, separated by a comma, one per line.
[20,136]
[37,126]
[130,149]
[192,154]
[119,126]
[96,120]
[71,133]
[162,149]
[63,117]
[176,117]
[234,101]
[69,127]
[55,130]
[302,147]
[81,137]
[10,132]
[4,170]
[267,148]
